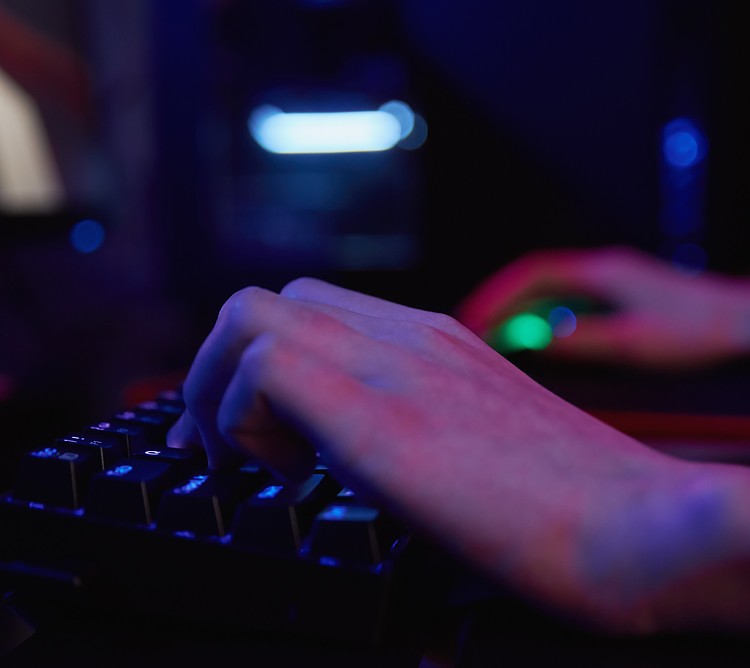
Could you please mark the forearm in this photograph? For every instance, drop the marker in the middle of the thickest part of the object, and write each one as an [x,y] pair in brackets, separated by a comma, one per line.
[611,534]
[687,562]
[667,550]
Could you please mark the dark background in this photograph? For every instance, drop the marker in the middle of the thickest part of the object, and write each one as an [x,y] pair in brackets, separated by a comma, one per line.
[545,124]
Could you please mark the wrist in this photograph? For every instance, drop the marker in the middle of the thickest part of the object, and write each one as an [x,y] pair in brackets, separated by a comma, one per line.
[674,557]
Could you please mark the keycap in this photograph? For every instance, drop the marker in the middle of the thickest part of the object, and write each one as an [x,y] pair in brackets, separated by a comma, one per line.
[55,475]
[107,449]
[129,491]
[153,423]
[205,503]
[350,533]
[126,435]
[276,518]
[173,407]
[184,460]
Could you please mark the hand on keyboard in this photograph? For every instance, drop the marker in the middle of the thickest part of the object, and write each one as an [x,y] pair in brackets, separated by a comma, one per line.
[416,412]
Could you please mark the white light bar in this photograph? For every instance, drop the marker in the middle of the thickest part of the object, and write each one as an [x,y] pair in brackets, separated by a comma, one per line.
[335,132]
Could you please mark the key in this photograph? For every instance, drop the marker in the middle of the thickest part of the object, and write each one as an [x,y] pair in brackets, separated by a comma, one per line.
[126,435]
[173,407]
[205,503]
[153,423]
[56,475]
[107,450]
[184,460]
[350,533]
[129,491]
[276,518]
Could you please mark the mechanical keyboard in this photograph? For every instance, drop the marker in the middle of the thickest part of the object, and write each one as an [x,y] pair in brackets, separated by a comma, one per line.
[110,517]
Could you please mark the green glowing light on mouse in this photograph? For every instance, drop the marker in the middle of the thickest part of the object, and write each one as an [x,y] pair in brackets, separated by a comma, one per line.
[524,331]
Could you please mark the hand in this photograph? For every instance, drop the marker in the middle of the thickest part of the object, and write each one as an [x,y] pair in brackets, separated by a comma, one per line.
[662,318]
[417,412]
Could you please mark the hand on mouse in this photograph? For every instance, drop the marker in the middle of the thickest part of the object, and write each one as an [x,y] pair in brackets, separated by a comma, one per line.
[658,316]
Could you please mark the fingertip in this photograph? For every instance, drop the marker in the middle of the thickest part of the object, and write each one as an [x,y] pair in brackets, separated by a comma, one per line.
[184,433]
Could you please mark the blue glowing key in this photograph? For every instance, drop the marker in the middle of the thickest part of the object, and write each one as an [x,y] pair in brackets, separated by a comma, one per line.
[278,517]
[107,450]
[129,491]
[55,476]
[270,492]
[205,503]
[359,535]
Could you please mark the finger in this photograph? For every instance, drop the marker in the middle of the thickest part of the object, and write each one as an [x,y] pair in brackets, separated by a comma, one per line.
[249,314]
[620,338]
[184,433]
[323,401]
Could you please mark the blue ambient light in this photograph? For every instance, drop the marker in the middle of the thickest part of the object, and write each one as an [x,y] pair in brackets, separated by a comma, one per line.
[333,132]
[87,236]
[682,143]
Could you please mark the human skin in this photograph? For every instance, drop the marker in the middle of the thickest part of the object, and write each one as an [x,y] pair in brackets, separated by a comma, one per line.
[416,411]
[660,317]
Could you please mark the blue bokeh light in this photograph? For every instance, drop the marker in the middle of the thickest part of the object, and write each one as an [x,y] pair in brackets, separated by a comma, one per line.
[562,321]
[403,113]
[87,236]
[683,143]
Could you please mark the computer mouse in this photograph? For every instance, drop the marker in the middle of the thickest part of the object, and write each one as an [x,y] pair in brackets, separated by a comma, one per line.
[534,325]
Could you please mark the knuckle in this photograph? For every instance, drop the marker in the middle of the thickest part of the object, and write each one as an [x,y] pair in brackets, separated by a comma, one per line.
[300,287]
[445,323]
[236,309]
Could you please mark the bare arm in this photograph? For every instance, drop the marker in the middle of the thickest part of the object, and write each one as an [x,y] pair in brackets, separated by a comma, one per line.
[416,410]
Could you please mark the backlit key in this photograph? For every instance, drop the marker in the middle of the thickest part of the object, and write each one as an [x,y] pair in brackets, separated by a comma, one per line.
[278,516]
[204,503]
[129,491]
[349,533]
[55,475]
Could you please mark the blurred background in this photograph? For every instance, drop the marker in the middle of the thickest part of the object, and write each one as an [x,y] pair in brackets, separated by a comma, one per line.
[156,156]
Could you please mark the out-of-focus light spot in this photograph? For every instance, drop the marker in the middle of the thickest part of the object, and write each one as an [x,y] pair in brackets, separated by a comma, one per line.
[334,132]
[690,258]
[417,136]
[87,236]
[524,331]
[562,321]
[683,143]
[402,113]
[329,561]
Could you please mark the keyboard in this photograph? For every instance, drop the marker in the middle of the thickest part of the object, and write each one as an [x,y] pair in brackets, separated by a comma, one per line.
[109,517]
